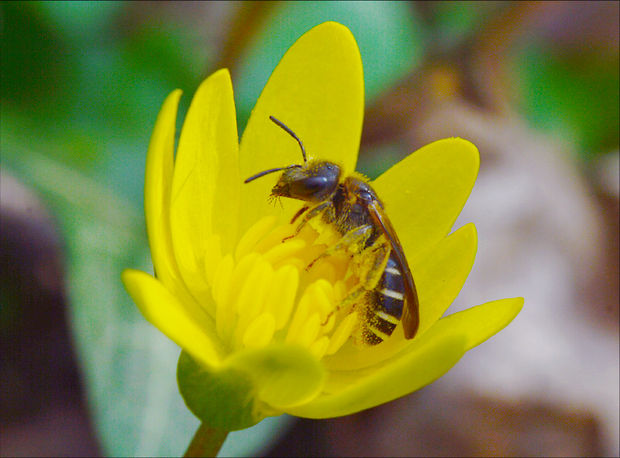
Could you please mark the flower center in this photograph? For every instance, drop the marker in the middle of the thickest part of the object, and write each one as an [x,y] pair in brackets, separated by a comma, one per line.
[271,290]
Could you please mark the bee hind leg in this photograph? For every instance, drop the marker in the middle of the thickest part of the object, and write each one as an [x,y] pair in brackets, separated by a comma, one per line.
[373,263]
[351,298]
[353,242]
[376,258]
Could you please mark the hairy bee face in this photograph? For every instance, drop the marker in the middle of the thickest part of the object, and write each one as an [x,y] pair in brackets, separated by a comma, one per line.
[313,182]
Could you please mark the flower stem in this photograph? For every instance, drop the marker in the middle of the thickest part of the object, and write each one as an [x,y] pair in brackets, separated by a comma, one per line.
[206,442]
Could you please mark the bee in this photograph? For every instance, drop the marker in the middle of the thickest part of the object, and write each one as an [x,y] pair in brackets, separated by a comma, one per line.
[353,209]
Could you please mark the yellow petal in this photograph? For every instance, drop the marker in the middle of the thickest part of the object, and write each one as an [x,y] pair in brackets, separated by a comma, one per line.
[479,323]
[157,188]
[439,277]
[442,274]
[317,90]
[426,360]
[194,332]
[402,376]
[205,185]
[425,192]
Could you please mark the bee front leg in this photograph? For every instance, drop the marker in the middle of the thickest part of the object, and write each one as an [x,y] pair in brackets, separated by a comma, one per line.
[326,207]
[301,211]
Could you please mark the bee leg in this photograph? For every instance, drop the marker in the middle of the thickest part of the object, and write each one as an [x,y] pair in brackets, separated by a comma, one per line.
[326,207]
[347,301]
[374,265]
[376,258]
[299,213]
[353,242]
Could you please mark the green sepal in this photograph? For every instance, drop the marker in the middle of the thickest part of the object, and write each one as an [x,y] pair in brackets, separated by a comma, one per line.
[225,399]
[250,385]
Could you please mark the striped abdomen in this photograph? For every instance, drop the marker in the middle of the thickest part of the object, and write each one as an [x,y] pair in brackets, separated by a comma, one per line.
[385,304]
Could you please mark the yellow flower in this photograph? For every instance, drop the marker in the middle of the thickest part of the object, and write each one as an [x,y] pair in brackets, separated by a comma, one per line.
[260,333]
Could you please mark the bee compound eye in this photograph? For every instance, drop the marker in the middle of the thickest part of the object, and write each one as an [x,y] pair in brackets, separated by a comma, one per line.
[314,183]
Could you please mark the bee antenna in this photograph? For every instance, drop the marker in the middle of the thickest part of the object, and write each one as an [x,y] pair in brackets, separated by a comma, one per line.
[266,172]
[292,134]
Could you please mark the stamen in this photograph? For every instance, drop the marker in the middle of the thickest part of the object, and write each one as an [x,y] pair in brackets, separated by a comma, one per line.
[254,289]
[253,235]
[321,291]
[281,298]
[284,250]
[319,347]
[251,298]
[299,317]
[260,332]
[309,331]
[273,237]
[342,333]
[264,293]
[225,317]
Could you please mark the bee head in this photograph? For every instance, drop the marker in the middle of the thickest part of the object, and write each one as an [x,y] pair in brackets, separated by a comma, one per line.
[313,181]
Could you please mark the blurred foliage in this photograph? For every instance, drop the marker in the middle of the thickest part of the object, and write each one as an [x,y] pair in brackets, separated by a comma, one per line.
[454,22]
[81,86]
[391,37]
[78,102]
[572,94]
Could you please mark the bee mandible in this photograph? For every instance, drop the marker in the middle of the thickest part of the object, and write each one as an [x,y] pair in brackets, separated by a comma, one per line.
[351,206]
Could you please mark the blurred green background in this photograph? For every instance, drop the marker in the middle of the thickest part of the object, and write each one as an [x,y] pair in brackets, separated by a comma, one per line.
[81,85]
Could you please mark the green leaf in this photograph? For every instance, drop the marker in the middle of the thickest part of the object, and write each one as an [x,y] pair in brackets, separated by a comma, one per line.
[80,21]
[572,94]
[128,366]
[390,36]
[455,22]
[34,59]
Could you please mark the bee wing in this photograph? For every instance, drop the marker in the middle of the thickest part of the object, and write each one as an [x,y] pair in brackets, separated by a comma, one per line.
[411,312]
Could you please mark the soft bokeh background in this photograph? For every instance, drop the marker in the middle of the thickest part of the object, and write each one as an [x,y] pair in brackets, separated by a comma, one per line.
[533,85]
